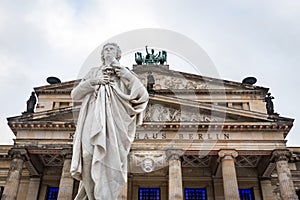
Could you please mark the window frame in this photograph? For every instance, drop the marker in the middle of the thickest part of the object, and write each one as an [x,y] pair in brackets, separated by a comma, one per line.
[56,189]
[195,190]
[249,191]
[149,188]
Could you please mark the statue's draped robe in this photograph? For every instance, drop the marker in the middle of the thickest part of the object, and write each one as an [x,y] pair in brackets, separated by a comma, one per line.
[105,131]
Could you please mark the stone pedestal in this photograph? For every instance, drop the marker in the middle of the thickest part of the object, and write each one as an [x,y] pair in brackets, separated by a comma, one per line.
[229,175]
[14,175]
[286,185]
[123,193]
[175,174]
[267,189]
[66,181]
[33,188]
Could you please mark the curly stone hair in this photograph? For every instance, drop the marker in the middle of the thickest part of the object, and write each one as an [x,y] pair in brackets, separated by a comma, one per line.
[119,52]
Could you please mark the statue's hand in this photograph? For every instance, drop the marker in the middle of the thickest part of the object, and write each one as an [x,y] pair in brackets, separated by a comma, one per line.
[122,72]
[99,81]
[115,63]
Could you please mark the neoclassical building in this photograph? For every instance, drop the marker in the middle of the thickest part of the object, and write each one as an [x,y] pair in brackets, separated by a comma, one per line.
[202,139]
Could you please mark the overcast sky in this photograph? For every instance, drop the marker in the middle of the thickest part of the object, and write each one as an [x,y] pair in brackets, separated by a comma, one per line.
[243,38]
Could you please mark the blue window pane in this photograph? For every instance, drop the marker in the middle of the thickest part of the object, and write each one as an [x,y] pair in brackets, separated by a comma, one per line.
[246,194]
[52,193]
[194,194]
[149,194]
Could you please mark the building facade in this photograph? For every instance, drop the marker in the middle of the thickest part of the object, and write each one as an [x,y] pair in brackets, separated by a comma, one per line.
[202,138]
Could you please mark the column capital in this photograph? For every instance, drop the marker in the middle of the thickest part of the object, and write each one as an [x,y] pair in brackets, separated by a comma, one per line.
[174,154]
[281,155]
[67,153]
[228,153]
[19,153]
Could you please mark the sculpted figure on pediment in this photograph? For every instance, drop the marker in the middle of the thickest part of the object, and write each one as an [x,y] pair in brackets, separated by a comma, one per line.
[159,112]
[173,82]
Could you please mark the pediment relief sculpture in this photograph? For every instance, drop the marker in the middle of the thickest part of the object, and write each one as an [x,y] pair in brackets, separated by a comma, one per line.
[163,113]
[178,81]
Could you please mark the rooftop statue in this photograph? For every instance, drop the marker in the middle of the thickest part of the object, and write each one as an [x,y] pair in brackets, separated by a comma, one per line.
[270,104]
[31,102]
[113,99]
[151,58]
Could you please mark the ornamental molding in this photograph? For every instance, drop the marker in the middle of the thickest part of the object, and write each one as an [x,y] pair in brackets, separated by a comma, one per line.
[52,160]
[196,161]
[247,160]
[204,126]
[146,161]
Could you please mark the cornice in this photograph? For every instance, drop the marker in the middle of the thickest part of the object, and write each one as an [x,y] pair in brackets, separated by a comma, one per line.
[69,126]
[162,126]
[60,88]
[210,91]
[215,126]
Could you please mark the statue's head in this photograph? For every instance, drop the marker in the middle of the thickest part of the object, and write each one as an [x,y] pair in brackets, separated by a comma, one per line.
[119,52]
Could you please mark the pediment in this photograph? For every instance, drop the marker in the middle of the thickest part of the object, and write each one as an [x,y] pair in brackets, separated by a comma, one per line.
[171,109]
[65,87]
[157,112]
[166,79]
[160,109]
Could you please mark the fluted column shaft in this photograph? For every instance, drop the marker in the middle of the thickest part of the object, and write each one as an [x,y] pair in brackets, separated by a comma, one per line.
[175,174]
[286,185]
[14,175]
[66,181]
[229,174]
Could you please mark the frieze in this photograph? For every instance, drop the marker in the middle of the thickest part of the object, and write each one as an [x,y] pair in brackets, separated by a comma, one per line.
[161,113]
[170,82]
[181,136]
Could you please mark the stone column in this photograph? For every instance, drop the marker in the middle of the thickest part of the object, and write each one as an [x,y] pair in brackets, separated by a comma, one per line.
[66,181]
[266,189]
[175,176]
[14,175]
[123,193]
[229,175]
[33,188]
[286,185]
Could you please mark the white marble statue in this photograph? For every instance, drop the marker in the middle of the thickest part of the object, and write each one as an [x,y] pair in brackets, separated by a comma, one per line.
[113,100]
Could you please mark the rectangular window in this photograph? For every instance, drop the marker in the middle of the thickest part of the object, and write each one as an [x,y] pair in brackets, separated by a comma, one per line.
[52,193]
[298,194]
[149,194]
[195,194]
[246,194]
[237,105]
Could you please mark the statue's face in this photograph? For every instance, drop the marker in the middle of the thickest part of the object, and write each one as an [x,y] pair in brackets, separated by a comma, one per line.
[109,51]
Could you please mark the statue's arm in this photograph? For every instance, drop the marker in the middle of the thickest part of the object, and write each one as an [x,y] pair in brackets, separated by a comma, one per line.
[81,90]
[84,87]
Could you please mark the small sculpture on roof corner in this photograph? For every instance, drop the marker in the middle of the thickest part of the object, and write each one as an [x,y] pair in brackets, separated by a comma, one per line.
[30,104]
[270,104]
[151,58]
